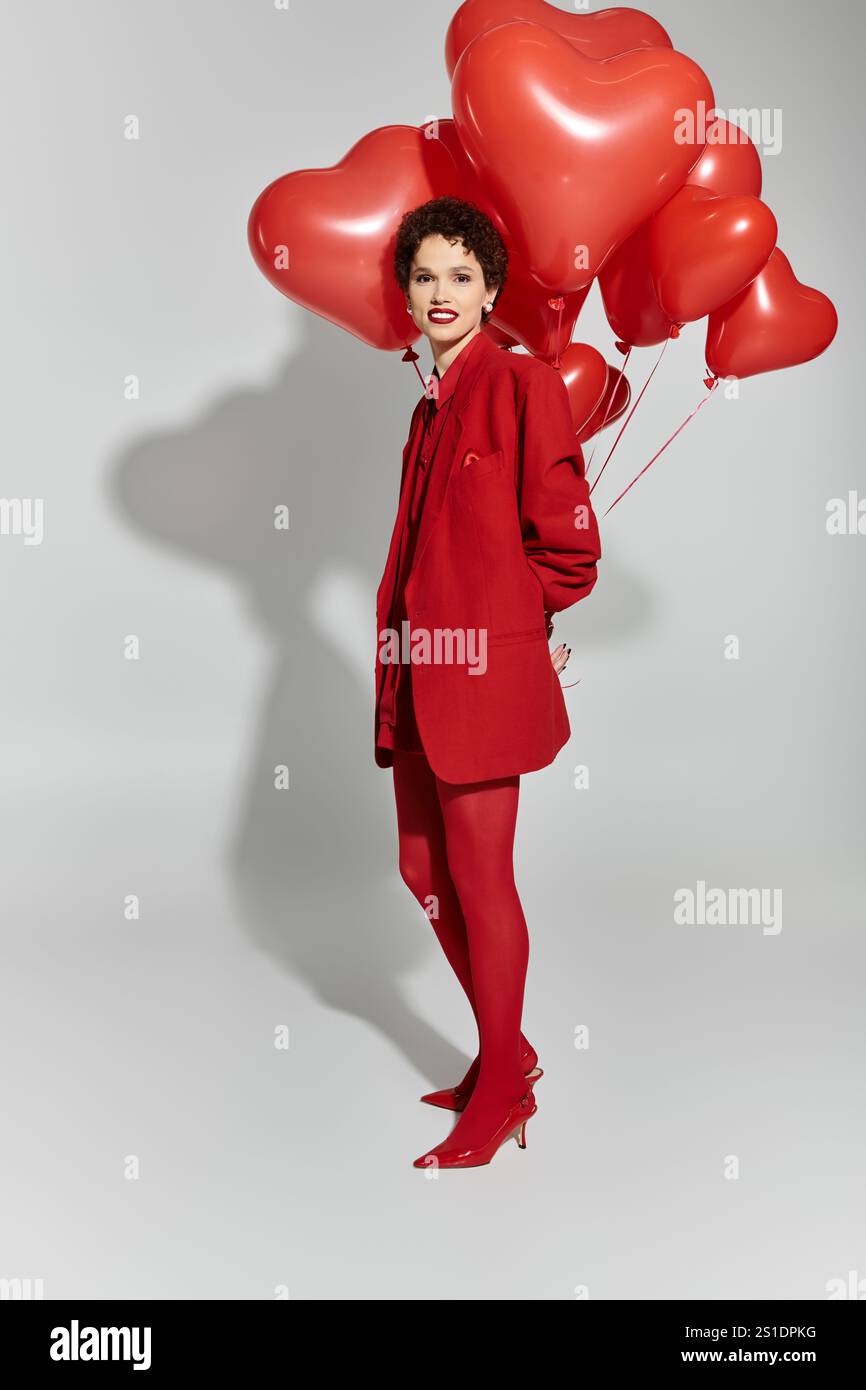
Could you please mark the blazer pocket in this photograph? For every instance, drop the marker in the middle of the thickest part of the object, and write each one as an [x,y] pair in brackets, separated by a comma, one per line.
[478,465]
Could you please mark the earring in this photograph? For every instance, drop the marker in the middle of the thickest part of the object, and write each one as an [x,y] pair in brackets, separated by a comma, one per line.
[489,308]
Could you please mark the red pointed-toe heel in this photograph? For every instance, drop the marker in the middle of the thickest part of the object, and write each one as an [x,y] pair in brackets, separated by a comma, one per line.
[513,1126]
[456,1097]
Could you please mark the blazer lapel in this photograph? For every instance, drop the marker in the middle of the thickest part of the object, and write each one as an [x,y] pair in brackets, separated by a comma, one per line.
[454,438]
[389,574]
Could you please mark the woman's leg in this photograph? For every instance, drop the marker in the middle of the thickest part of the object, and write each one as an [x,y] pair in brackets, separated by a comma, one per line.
[479,820]
[423,857]
[424,860]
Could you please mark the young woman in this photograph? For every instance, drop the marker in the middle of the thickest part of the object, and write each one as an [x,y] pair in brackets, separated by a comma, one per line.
[494,533]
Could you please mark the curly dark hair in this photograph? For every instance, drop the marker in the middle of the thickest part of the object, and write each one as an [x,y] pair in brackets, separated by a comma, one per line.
[455,219]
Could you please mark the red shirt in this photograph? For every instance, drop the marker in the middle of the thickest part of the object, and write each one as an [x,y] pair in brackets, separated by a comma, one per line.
[426,475]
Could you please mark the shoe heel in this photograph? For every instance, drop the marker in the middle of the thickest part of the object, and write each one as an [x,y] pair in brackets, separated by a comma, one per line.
[525,1108]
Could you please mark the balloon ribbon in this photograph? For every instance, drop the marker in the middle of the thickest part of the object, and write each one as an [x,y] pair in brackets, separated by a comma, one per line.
[711,384]
[610,400]
[557,302]
[674,333]
[410,355]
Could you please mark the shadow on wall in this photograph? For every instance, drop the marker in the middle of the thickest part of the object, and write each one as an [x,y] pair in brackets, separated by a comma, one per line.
[314,868]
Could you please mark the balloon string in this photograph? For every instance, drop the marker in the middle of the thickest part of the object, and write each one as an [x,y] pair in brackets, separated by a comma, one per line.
[559,329]
[664,446]
[607,409]
[632,411]
[410,355]
[558,303]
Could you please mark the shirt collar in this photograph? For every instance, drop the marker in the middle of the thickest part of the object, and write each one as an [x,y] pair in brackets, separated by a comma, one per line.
[449,378]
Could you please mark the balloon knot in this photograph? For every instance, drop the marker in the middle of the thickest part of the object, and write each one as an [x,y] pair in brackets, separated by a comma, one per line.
[410,355]
[557,303]
[675,330]
[711,382]
[621,346]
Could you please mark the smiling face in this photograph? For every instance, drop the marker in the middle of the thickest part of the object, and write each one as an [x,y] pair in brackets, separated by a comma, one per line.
[447,277]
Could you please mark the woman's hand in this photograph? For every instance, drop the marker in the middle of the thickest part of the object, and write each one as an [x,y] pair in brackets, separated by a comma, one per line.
[560,657]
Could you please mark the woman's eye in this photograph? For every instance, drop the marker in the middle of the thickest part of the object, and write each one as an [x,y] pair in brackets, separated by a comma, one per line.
[462,278]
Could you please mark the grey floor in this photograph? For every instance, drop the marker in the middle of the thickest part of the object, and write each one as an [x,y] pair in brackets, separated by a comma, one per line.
[707,1143]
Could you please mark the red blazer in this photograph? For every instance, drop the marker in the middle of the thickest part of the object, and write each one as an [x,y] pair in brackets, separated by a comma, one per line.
[514,540]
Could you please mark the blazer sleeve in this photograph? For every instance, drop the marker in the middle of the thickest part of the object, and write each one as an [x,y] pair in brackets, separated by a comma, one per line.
[559,527]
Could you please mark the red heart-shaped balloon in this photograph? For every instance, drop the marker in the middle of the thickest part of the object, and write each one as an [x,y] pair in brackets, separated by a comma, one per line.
[607,409]
[730,163]
[325,237]
[584,372]
[497,336]
[576,154]
[629,296]
[527,312]
[601,35]
[774,322]
[523,309]
[704,249]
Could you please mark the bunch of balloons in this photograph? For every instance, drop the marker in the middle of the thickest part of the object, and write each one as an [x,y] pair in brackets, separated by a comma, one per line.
[595,149]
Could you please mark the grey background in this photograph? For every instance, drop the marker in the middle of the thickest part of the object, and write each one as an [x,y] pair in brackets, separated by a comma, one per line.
[262,1168]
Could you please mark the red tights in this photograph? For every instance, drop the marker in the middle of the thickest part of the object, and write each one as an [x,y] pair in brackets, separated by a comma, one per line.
[456,845]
